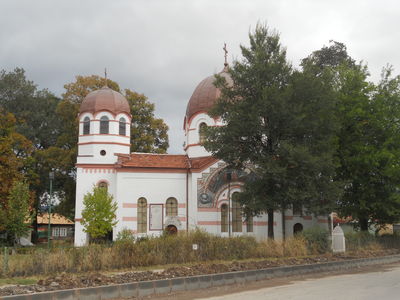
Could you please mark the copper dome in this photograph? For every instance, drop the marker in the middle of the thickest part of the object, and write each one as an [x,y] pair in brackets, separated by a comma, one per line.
[205,94]
[105,99]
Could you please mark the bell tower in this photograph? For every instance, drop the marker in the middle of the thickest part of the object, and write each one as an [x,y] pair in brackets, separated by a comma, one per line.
[104,127]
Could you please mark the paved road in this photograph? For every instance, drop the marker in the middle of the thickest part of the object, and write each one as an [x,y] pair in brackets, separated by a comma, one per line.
[379,285]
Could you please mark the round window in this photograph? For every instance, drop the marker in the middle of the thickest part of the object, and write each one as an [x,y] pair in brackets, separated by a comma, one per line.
[103,152]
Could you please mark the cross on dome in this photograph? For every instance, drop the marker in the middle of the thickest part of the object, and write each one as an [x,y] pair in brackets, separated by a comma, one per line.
[226,54]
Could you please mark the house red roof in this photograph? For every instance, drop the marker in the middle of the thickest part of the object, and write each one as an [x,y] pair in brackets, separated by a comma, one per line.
[165,161]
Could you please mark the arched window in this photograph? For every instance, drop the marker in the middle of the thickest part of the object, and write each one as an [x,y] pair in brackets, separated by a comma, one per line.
[142,215]
[86,125]
[236,213]
[104,125]
[122,126]
[224,218]
[103,184]
[297,228]
[249,224]
[202,132]
[172,207]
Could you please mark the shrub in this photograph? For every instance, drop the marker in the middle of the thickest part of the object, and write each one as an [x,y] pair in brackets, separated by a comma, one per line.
[128,252]
[317,239]
[125,235]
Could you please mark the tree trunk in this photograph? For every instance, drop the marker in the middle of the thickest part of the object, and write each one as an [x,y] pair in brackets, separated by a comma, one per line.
[283,224]
[363,224]
[270,223]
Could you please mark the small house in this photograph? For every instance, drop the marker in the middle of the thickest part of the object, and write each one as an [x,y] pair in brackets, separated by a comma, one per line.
[62,228]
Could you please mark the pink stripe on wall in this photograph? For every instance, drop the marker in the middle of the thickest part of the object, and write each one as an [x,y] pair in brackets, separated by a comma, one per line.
[183,219]
[307,217]
[129,219]
[261,223]
[181,205]
[129,205]
[208,223]
[207,209]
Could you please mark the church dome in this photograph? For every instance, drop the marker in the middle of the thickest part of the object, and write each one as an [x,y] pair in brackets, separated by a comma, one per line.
[206,94]
[105,99]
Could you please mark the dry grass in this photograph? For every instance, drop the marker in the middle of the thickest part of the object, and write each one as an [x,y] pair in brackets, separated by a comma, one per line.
[165,250]
[130,254]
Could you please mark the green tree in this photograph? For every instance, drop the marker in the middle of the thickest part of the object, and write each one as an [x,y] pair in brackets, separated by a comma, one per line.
[98,215]
[278,122]
[368,139]
[38,120]
[33,109]
[148,134]
[17,216]
[369,144]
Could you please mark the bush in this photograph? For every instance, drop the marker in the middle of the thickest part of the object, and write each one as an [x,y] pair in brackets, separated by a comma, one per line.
[128,252]
[125,235]
[359,239]
[317,239]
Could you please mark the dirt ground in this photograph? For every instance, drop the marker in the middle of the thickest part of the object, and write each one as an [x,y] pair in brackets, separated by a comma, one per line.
[69,281]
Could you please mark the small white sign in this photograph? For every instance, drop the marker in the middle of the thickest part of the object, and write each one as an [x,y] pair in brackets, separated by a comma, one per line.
[195,246]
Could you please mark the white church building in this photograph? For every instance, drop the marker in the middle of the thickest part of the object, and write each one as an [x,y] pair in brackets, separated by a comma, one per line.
[157,192]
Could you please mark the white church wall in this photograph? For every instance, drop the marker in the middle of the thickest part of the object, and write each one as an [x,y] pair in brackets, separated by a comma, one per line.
[156,188]
[91,153]
[86,179]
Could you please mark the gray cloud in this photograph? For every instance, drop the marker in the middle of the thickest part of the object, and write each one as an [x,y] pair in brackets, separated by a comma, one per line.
[165,48]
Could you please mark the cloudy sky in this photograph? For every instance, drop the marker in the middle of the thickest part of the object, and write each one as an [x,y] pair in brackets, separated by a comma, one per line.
[164,48]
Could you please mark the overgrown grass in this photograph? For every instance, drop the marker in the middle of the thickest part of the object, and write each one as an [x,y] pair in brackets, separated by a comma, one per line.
[365,241]
[128,253]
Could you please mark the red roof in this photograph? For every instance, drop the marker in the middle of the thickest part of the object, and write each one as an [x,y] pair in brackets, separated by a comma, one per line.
[165,161]
[144,160]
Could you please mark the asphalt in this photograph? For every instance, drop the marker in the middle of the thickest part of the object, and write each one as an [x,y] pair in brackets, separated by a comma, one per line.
[382,284]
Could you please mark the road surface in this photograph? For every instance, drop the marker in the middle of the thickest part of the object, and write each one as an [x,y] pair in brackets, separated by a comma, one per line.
[374,282]
[377,285]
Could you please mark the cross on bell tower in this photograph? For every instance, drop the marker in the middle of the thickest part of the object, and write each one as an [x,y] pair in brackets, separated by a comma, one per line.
[105,77]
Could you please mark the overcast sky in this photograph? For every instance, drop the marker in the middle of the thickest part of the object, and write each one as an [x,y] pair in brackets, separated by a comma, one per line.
[164,48]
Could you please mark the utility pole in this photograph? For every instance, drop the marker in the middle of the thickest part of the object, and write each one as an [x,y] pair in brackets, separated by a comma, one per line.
[51,177]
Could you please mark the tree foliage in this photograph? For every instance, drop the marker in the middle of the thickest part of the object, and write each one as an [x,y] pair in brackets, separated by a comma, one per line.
[98,215]
[368,139]
[148,134]
[278,121]
[15,219]
[15,158]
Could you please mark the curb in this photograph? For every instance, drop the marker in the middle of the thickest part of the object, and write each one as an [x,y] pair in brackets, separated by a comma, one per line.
[147,288]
